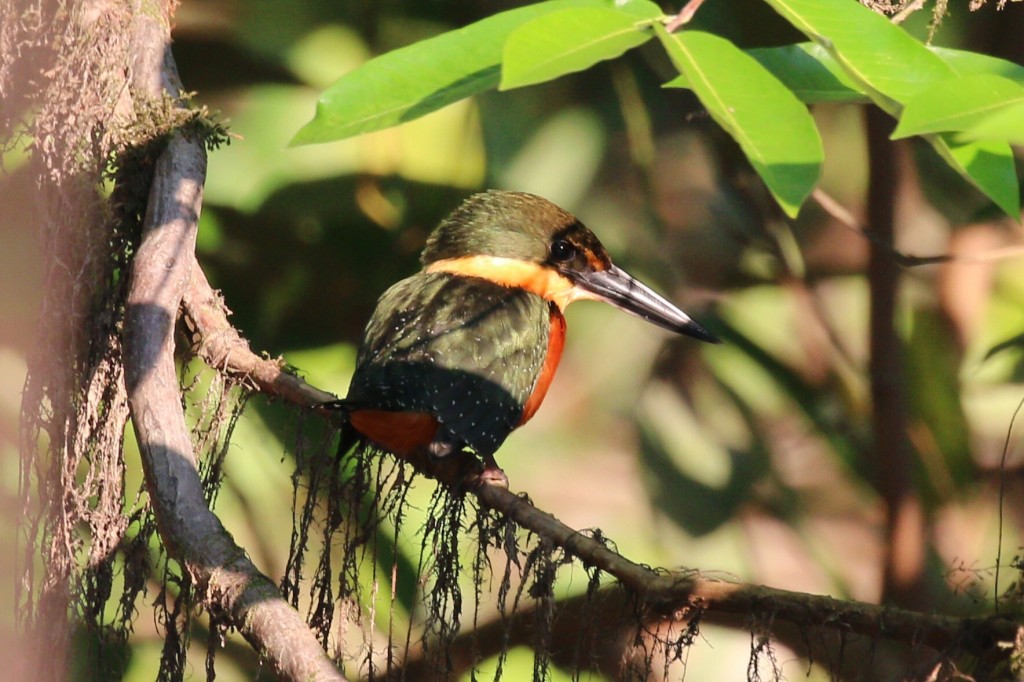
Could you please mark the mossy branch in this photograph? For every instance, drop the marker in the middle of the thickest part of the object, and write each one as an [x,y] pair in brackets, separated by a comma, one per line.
[679,595]
[162,270]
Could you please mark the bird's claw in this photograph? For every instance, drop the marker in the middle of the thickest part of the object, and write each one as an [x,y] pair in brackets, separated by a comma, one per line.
[486,474]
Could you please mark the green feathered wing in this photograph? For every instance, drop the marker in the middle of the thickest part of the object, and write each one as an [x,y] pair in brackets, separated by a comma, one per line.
[465,350]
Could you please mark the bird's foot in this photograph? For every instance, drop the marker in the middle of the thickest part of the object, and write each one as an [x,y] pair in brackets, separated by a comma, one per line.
[440,449]
[459,469]
[489,474]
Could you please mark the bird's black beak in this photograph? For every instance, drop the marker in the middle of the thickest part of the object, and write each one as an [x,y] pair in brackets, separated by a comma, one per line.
[623,291]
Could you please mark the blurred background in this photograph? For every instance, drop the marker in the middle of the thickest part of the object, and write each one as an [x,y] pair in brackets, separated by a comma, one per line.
[749,460]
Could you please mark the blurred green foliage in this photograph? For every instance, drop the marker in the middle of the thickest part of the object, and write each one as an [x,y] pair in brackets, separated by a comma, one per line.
[750,458]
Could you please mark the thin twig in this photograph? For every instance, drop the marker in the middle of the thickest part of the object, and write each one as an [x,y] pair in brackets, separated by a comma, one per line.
[221,346]
[908,9]
[1002,495]
[835,209]
[684,16]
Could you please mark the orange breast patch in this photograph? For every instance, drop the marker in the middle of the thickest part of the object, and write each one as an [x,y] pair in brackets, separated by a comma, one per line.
[401,433]
[556,342]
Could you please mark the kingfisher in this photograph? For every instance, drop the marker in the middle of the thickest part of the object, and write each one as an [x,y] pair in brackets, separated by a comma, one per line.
[459,355]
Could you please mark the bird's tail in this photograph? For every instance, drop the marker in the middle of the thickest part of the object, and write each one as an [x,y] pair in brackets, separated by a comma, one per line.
[350,438]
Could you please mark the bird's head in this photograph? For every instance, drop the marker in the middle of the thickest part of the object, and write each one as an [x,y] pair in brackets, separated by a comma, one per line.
[522,240]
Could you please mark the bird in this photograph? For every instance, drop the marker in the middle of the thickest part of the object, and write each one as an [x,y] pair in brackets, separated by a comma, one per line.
[460,354]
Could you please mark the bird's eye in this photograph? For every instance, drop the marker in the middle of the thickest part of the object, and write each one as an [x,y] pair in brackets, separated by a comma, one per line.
[561,250]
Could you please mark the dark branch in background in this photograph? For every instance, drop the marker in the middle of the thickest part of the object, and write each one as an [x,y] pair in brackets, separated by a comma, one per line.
[672,600]
[681,594]
[892,467]
[162,269]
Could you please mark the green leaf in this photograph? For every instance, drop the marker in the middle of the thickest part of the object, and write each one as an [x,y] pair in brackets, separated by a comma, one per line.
[967,63]
[571,40]
[957,104]
[420,78]
[811,73]
[892,67]
[1006,125]
[1008,344]
[988,165]
[808,70]
[886,61]
[771,125]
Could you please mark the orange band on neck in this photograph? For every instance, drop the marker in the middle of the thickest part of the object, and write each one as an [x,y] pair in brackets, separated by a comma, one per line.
[514,273]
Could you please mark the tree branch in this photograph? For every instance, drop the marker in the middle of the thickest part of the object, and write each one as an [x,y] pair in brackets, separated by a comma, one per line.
[220,346]
[681,595]
[162,269]
[604,632]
